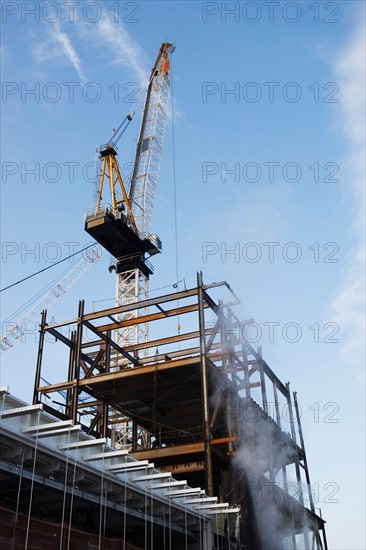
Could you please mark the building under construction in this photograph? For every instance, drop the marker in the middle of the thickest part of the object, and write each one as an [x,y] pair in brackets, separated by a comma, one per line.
[150,436]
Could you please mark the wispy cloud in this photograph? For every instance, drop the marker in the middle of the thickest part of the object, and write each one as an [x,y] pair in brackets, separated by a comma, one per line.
[126,51]
[58,46]
[68,49]
[348,305]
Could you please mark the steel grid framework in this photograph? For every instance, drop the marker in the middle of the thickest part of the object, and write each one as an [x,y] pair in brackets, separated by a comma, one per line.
[187,402]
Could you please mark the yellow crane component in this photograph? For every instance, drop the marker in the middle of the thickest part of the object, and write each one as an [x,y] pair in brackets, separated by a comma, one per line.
[110,170]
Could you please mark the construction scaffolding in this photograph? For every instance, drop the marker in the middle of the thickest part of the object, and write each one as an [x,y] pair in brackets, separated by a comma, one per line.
[189,403]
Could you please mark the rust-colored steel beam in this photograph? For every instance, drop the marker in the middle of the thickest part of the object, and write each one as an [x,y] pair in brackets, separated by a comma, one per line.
[179,353]
[109,341]
[145,303]
[95,363]
[151,317]
[58,387]
[222,440]
[119,375]
[176,450]
[137,371]
[168,340]
[142,304]
[197,466]
[154,343]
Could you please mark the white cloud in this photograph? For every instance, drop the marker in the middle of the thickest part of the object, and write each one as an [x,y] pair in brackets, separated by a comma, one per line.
[68,50]
[348,305]
[126,52]
[58,46]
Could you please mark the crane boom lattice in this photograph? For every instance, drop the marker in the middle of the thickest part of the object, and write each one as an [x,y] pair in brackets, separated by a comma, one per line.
[150,144]
[20,328]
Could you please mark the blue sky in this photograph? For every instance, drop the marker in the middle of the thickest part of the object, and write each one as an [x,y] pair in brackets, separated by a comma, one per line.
[269,148]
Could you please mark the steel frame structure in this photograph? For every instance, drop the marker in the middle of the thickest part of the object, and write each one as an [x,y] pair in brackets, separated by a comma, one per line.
[190,398]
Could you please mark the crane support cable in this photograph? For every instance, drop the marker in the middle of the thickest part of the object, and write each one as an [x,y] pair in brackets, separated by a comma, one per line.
[34,298]
[174,181]
[48,267]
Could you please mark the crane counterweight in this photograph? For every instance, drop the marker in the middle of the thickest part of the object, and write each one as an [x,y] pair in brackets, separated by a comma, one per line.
[114,232]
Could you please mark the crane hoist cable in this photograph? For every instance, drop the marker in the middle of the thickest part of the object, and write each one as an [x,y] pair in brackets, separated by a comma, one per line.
[48,267]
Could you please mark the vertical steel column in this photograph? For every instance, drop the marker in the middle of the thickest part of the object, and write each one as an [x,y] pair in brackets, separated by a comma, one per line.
[205,397]
[246,370]
[284,472]
[70,374]
[37,377]
[104,426]
[107,410]
[265,408]
[79,337]
[323,531]
[263,382]
[297,465]
[229,362]
[307,476]
[134,435]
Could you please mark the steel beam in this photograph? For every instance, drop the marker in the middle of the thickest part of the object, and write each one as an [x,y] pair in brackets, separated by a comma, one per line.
[151,317]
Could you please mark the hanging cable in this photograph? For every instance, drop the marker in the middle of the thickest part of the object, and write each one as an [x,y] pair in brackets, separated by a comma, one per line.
[175,192]
[16,314]
[101,506]
[145,509]
[62,545]
[72,493]
[170,523]
[124,511]
[48,267]
[18,496]
[32,483]
[185,523]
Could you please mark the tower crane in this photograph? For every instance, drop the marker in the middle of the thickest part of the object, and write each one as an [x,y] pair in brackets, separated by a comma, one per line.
[26,323]
[122,227]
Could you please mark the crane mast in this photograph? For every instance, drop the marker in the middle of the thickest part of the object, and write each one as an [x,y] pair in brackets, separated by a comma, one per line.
[132,283]
[122,227]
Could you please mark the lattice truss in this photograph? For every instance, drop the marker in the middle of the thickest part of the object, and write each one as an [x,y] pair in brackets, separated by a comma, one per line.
[132,286]
[146,173]
[15,331]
